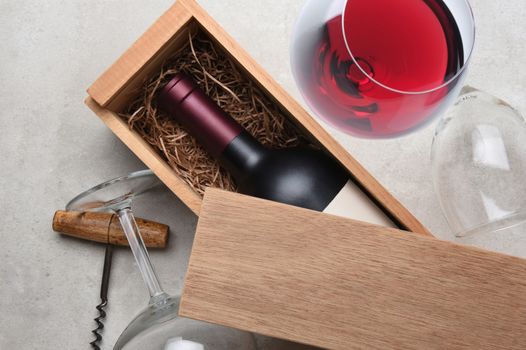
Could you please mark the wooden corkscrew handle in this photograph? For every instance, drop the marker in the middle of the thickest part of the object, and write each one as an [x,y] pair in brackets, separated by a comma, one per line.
[106,228]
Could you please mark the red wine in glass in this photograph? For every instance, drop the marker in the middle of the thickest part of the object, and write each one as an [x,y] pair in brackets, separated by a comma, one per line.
[381,68]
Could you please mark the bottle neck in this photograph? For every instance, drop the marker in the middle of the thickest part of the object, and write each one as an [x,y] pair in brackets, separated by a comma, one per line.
[242,155]
[204,120]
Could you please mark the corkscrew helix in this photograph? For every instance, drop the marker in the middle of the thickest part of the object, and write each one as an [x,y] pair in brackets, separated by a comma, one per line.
[103,297]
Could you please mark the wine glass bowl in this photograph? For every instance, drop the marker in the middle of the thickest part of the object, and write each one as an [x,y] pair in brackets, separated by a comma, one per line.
[381,68]
[157,313]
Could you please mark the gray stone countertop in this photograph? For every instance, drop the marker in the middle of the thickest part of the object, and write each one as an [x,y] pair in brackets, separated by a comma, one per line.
[53,147]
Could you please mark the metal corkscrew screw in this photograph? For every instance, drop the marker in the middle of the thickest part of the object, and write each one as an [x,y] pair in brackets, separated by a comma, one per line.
[103,297]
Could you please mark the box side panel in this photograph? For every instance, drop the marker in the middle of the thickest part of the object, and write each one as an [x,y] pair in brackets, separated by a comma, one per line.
[116,78]
[147,155]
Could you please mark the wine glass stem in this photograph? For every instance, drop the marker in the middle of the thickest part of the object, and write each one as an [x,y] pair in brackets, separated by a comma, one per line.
[139,251]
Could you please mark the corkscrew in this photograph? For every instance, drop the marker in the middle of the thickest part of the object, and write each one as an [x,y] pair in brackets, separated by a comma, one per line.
[105,228]
[103,297]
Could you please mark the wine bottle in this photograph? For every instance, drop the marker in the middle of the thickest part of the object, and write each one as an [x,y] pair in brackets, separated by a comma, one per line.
[302,177]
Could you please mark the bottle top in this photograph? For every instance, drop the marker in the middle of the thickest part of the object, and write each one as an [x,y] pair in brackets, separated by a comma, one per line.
[204,119]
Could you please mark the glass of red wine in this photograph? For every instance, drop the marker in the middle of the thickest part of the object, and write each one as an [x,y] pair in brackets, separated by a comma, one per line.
[381,68]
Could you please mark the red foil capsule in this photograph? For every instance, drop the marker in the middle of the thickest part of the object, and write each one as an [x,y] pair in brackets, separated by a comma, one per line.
[191,107]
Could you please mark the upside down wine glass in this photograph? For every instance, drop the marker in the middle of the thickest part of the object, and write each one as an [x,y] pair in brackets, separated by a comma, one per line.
[478,159]
[381,68]
[158,326]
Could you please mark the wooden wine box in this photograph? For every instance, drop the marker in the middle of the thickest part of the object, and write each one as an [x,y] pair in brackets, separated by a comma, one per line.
[423,283]
[113,91]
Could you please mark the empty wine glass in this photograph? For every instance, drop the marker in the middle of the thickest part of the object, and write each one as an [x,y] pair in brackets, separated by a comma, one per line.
[381,68]
[479,165]
[158,326]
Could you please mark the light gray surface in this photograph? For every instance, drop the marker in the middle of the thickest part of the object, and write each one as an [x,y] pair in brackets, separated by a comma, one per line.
[53,147]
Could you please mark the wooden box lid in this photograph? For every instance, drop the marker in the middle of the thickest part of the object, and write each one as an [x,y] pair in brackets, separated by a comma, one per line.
[336,283]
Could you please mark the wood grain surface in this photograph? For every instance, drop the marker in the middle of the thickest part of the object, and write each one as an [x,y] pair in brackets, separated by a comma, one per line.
[336,283]
[137,57]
